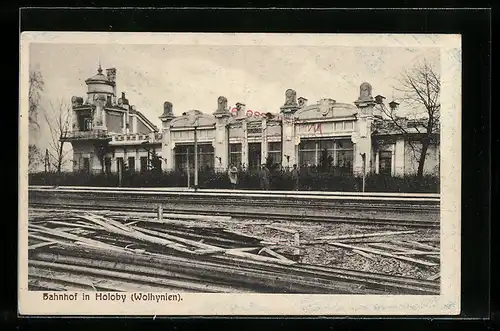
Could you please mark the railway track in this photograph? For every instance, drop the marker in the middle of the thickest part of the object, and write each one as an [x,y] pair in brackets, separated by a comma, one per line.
[384,208]
[246,215]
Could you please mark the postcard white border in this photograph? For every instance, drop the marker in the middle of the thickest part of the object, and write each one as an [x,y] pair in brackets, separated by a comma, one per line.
[447,303]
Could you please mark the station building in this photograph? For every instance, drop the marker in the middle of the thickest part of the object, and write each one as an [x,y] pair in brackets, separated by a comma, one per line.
[109,134]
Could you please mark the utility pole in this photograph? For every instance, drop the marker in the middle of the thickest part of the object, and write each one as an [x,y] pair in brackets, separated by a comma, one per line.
[46,161]
[195,155]
[187,167]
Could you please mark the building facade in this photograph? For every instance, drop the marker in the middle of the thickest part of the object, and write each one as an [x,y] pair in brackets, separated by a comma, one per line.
[110,135]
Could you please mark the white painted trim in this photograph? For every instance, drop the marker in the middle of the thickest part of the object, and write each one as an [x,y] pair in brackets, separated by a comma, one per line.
[189,129]
[337,119]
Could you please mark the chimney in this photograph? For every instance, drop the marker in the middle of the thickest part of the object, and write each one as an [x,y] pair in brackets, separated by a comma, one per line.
[302,102]
[394,105]
[111,74]
[167,110]
[124,102]
[379,99]
[241,109]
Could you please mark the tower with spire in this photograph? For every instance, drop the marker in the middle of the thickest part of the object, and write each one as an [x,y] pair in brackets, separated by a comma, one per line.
[102,86]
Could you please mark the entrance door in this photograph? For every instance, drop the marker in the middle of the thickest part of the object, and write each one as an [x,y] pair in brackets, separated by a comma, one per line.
[254,154]
[385,165]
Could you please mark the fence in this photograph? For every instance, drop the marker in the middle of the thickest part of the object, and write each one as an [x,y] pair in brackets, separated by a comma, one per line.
[310,179]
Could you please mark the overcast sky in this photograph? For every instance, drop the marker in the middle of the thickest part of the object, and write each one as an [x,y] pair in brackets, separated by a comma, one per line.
[194,76]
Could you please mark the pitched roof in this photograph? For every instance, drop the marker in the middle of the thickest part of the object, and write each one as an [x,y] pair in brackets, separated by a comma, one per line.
[146,121]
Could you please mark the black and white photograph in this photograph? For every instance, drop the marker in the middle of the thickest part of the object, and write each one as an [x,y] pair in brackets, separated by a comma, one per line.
[219,174]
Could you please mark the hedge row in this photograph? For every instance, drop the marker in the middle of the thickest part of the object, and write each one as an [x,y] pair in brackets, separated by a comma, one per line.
[279,180]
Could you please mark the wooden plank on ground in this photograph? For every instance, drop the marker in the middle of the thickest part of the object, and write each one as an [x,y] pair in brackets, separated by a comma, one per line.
[415,252]
[277,255]
[132,232]
[76,225]
[255,257]
[415,244]
[73,237]
[434,277]
[268,243]
[42,244]
[241,234]
[280,228]
[178,239]
[365,235]
[364,254]
[218,250]
[390,247]
[378,252]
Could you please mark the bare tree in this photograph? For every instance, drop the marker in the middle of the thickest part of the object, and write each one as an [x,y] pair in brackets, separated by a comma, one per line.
[36,87]
[420,87]
[58,120]
[34,158]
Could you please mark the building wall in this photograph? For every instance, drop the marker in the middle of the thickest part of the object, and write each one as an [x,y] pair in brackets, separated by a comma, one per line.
[83,152]
[412,155]
[141,127]
[135,152]
[100,88]
[114,122]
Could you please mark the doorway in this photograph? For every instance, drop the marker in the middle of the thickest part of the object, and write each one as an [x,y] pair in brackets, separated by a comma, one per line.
[254,155]
[385,165]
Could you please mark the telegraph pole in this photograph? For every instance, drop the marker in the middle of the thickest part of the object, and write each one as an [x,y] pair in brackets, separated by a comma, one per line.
[187,167]
[195,155]
[47,161]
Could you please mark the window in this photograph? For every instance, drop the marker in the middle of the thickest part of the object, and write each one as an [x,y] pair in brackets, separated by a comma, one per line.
[385,162]
[144,163]
[342,152]
[131,163]
[107,165]
[307,153]
[184,154]
[339,126]
[274,151]
[87,124]
[326,149]
[254,155]
[205,156]
[86,164]
[235,154]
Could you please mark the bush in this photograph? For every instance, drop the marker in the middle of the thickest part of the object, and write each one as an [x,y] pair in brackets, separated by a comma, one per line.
[311,179]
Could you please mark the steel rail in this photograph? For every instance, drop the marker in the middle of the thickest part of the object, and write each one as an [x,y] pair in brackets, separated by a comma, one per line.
[250,215]
[272,202]
[435,196]
[243,194]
